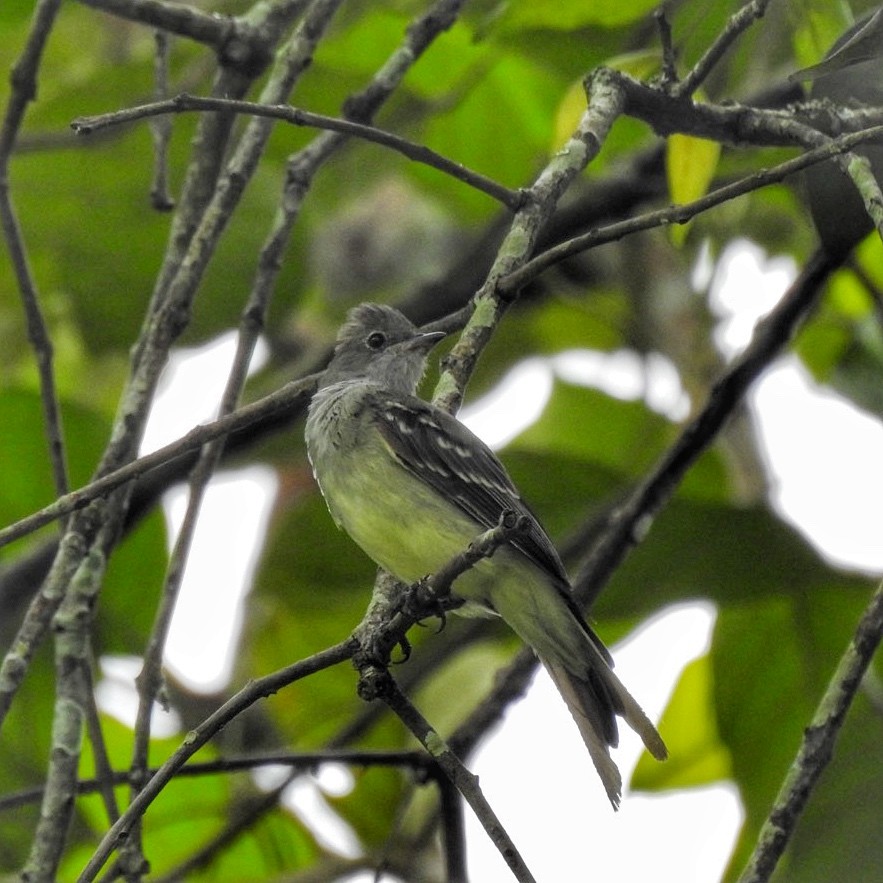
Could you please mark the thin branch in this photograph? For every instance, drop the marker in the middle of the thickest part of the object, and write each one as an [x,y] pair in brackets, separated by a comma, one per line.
[167,317]
[104,775]
[681,214]
[82,529]
[669,57]
[395,607]
[289,397]
[295,116]
[541,200]
[303,761]
[629,523]
[733,124]
[161,128]
[483,546]
[359,107]
[738,23]
[239,43]
[24,90]
[253,691]
[466,783]
[817,746]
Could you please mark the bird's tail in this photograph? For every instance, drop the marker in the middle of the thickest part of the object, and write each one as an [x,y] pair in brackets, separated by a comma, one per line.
[594,701]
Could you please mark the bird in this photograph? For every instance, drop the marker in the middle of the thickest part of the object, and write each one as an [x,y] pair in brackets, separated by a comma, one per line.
[413,486]
[850,75]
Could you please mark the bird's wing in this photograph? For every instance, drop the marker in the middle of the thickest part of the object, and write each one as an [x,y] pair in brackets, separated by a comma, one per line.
[441,451]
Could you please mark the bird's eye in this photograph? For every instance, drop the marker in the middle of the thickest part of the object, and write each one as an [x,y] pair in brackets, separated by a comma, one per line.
[375,340]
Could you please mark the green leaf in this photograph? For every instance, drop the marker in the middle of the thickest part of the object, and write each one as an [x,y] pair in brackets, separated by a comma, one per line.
[690,165]
[696,754]
[730,554]
[24,453]
[820,24]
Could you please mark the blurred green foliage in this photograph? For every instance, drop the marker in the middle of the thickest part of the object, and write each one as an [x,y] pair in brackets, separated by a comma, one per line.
[491,94]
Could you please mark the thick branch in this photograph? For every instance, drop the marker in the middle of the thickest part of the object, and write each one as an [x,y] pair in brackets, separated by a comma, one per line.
[238,43]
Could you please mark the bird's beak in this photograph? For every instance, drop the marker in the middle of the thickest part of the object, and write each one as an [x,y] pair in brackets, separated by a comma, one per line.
[423,342]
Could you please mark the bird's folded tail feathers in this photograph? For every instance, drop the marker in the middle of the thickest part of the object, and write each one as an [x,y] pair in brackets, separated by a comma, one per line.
[611,692]
[632,713]
[593,724]
[592,704]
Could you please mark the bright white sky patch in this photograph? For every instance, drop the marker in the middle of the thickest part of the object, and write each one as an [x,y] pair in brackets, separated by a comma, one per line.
[548,796]
[208,615]
[826,457]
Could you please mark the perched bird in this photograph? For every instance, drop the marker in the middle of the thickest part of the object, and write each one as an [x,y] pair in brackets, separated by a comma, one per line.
[413,487]
[851,75]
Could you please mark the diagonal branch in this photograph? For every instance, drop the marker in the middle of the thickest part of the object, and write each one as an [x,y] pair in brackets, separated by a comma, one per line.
[255,690]
[24,90]
[467,784]
[541,200]
[817,746]
[629,523]
[681,214]
[739,22]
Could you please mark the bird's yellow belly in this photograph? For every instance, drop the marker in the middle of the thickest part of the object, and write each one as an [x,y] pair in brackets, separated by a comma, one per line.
[403,525]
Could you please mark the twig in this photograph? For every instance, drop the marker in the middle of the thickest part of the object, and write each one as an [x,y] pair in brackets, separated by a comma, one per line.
[24,90]
[294,58]
[161,128]
[257,689]
[817,746]
[680,214]
[238,42]
[295,116]
[732,124]
[738,23]
[669,58]
[167,317]
[299,760]
[81,530]
[288,397]
[394,607]
[483,546]
[466,783]
[392,611]
[104,775]
[359,108]
[541,199]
